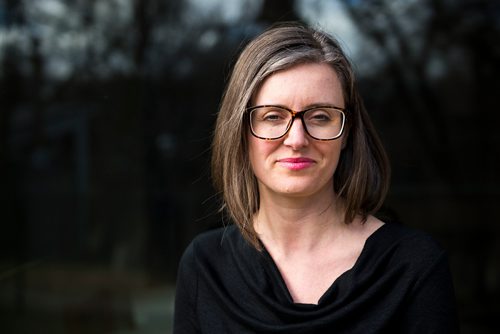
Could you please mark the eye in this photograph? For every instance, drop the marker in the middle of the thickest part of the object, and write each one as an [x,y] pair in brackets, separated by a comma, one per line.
[271,115]
[319,116]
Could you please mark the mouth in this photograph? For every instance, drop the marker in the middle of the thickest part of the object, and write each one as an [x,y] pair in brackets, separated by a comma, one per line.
[296,163]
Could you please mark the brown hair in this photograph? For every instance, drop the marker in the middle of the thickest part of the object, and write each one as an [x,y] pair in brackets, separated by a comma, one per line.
[362,175]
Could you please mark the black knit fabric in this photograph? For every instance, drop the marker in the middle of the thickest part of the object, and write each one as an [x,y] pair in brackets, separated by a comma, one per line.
[400,284]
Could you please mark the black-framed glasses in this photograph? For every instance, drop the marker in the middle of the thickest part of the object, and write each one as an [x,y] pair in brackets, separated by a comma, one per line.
[271,122]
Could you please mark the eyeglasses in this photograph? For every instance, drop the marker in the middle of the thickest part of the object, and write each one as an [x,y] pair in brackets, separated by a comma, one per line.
[273,122]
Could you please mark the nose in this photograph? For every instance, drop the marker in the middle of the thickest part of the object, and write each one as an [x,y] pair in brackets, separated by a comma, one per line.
[297,136]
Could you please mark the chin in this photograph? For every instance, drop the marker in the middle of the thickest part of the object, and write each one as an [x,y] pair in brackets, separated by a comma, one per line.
[299,191]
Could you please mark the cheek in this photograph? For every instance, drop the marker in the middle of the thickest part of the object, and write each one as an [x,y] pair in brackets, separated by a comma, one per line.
[332,155]
[259,152]
[343,139]
[254,154]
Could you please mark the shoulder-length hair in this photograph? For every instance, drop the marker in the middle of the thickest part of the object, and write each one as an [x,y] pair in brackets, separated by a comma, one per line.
[362,175]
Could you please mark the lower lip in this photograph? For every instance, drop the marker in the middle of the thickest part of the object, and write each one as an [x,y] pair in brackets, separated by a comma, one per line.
[296,165]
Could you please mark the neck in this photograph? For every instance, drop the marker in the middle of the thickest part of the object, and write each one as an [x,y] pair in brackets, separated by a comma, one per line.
[290,224]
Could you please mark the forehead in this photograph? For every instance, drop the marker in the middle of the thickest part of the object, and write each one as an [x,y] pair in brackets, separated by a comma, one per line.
[300,85]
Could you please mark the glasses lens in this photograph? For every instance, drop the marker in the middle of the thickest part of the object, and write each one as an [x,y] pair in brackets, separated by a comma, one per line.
[272,122]
[324,123]
[269,122]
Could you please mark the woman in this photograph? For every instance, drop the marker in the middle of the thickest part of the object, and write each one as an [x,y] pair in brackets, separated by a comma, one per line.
[302,173]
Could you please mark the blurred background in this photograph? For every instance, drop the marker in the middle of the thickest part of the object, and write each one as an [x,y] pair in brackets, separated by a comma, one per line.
[106,116]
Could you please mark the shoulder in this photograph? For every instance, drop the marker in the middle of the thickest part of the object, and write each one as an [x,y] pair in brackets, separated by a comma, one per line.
[423,280]
[202,261]
[216,238]
[404,258]
[408,239]
[211,245]
[410,248]
[217,258]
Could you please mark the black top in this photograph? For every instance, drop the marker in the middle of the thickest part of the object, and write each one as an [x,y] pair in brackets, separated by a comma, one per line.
[399,284]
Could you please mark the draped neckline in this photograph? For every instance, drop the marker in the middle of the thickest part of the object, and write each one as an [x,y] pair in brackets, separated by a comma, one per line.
[273,270]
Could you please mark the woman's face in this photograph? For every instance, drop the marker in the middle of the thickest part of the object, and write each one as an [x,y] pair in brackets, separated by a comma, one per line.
[296,164]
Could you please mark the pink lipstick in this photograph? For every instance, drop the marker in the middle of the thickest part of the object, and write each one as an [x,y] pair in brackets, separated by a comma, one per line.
[296,163]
